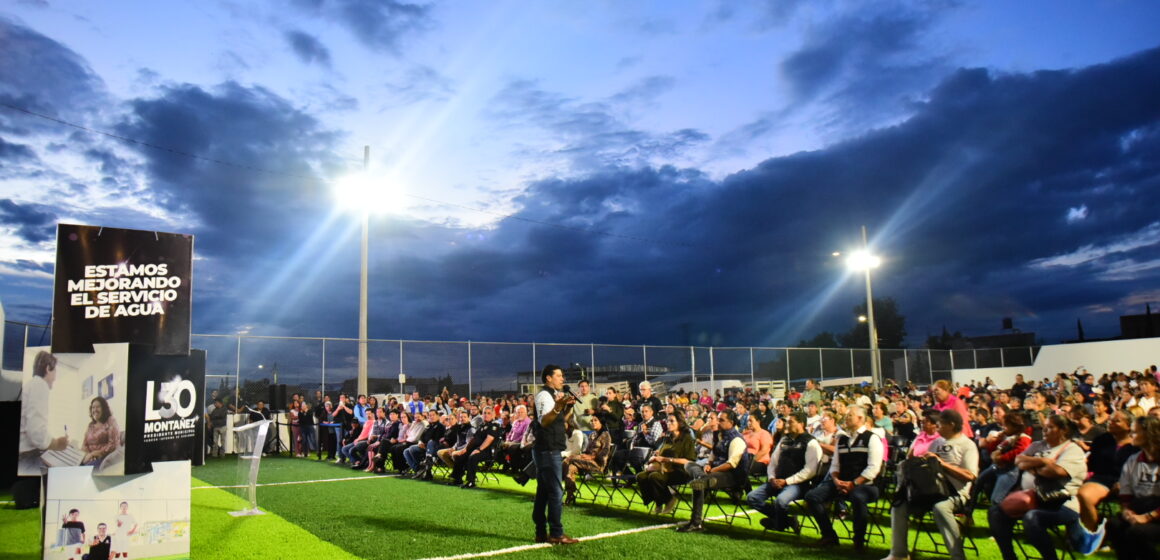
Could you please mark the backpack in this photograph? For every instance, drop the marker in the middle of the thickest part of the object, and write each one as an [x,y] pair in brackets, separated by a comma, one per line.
[923,483]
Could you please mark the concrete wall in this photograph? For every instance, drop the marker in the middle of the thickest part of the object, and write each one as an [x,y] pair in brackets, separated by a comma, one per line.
[1096,357]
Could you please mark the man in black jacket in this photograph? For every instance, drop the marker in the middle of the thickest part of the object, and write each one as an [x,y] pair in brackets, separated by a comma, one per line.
[427,445]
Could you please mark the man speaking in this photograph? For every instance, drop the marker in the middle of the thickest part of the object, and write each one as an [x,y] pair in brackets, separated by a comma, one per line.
[552,405]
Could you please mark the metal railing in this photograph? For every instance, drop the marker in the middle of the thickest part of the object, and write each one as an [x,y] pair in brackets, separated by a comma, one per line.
[244,366]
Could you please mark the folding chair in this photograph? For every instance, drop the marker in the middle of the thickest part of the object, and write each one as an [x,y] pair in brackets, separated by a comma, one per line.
[927,535]
[1058,535]
[684,499]
[637,459]
[593,482]
[487,470]
[736,493]
[873,520]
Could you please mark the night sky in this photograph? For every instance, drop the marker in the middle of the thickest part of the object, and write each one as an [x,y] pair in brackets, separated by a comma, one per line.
[608,172]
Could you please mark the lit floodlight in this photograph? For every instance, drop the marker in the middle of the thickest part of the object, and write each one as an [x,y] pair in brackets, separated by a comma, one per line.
[361,193]
[862,260]
[861,318]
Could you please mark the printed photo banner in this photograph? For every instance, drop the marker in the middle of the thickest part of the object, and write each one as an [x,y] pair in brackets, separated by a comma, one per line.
[145,516]
[117,410]
[121,285]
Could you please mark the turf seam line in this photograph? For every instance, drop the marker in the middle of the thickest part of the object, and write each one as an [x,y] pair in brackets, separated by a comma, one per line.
[598,536]
[297,482]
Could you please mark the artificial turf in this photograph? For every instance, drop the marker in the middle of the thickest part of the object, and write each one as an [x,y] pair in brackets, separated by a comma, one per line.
[385,517]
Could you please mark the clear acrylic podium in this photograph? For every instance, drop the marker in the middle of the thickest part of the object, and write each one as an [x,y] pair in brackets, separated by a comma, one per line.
[253,439]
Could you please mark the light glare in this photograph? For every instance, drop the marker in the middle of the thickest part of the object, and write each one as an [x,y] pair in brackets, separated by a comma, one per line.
[361,193]
[862,260]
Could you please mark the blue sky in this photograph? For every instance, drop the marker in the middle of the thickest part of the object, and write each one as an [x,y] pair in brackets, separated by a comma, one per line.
[603,172]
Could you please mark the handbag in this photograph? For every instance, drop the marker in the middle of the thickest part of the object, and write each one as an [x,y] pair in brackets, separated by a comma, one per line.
[1049,493]
[1052,492]
[1018,503]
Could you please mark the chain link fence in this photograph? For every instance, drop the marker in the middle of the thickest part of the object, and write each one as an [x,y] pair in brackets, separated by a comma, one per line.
[242,368]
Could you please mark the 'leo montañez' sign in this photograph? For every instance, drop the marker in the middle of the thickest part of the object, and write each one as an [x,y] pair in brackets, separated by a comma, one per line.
[121,285]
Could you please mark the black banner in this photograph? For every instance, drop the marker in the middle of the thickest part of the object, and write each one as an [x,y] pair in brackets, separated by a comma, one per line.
[121,285]
[165,419]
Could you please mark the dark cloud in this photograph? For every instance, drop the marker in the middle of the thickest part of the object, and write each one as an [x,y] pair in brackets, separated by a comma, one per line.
[250,129]
[15,152]
[963,199]
[308,48]
[379,24]
[42,75]
[590,134]
[865,64]
[33,223]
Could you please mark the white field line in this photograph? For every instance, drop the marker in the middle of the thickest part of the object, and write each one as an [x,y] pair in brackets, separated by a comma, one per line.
[486,553]
[535,546]
[299,482]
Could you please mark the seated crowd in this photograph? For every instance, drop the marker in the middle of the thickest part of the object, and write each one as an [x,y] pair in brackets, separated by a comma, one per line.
[1072,456]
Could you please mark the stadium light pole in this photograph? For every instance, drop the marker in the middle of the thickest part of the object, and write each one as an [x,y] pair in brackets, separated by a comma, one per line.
[359,193]
[864,261]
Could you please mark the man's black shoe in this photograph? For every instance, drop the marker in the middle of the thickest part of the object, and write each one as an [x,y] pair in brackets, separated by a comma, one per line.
[768,523]
[691,527]
[828,541]
[521,480]
[541,538]
[468,486]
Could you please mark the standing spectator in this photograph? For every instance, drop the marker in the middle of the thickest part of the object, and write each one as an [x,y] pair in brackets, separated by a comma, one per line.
[585,407]
[309,430]
[295,429]
[944,400]
[343,416]
[416,407]
[647,397]
[217,424]
[360,409]
[811,394]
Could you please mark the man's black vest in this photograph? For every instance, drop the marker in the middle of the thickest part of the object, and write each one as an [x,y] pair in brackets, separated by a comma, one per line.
[854,455]
[551,437]
[792,458]
[721,448]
